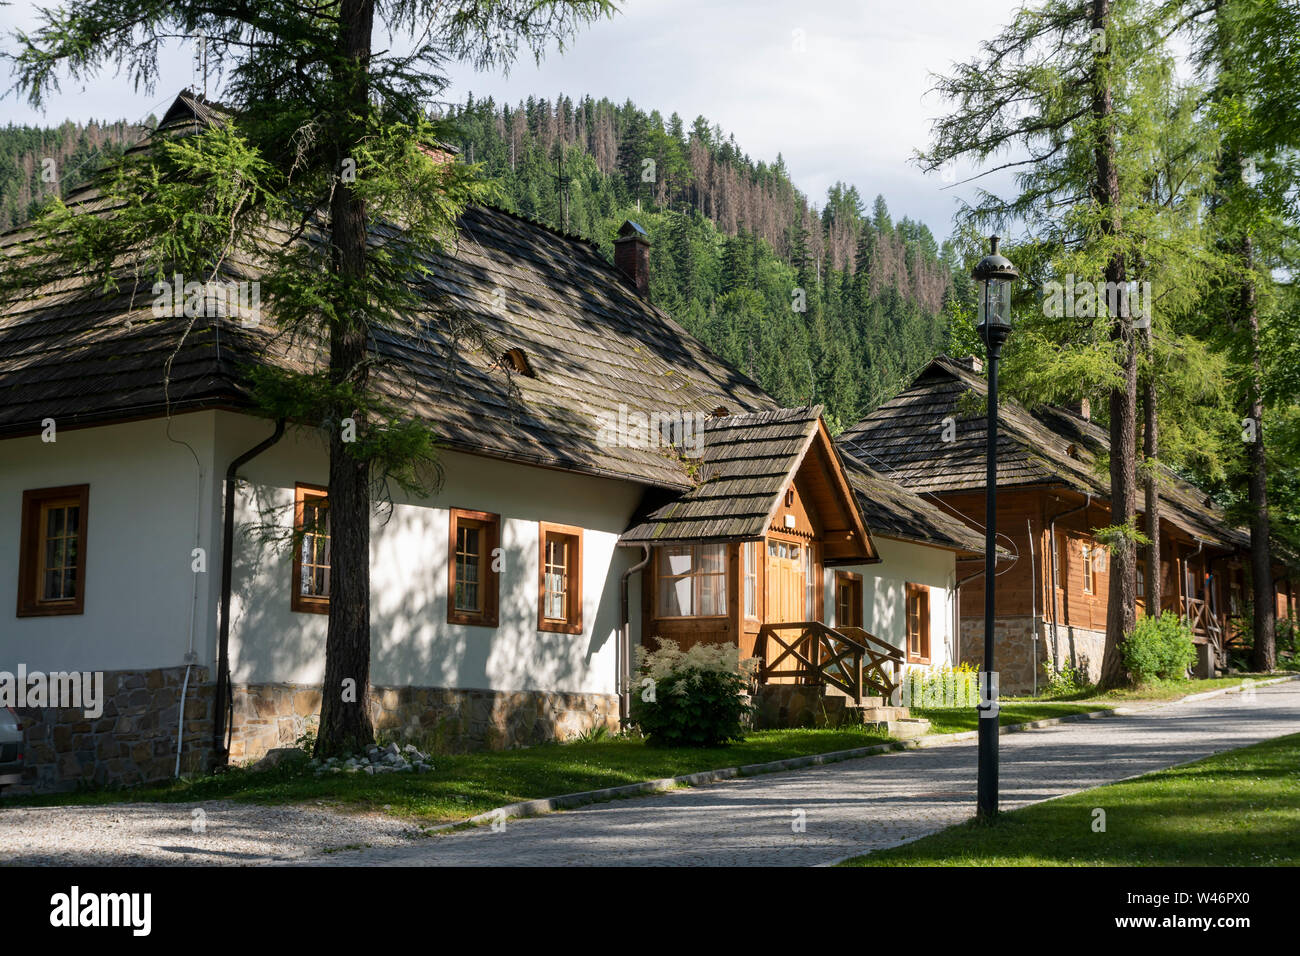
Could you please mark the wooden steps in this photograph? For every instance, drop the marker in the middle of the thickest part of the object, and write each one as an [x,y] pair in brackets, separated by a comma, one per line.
[803,705]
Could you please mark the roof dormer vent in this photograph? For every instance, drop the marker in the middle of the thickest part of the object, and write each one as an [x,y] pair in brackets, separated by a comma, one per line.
[516,359]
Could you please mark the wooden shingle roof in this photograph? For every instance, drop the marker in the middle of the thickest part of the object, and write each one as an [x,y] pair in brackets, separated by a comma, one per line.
[595,347]
[747,463]
[904,440]
[894,512]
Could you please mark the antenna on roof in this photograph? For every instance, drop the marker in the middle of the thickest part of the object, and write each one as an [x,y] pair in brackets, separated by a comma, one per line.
[562,187]
[200,69]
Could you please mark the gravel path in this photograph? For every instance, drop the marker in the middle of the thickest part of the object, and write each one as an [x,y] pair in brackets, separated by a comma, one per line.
[845,808]
[167,834]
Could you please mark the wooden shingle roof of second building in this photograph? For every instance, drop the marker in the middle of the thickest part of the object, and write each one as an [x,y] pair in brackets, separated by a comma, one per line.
[930,438]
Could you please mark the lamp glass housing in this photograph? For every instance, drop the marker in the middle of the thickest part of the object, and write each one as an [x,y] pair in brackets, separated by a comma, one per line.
[995,301]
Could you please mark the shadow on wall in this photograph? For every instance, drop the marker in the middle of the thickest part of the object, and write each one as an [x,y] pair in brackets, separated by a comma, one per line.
[885,598]
[420,664]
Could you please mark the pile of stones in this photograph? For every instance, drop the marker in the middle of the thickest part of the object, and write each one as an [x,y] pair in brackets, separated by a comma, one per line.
[390,759]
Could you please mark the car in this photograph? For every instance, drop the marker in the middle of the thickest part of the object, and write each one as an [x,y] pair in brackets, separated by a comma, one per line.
[11,748]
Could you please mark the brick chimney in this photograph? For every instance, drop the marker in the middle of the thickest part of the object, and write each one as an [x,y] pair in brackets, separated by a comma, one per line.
[632,256]
[1082,408]
[972,362]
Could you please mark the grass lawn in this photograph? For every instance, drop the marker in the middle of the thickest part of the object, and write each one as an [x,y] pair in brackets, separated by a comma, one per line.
[952,720]
[1155,690]
[466,784]
[1240,808]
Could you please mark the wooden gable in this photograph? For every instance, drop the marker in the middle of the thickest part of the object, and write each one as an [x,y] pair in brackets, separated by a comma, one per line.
[818,503]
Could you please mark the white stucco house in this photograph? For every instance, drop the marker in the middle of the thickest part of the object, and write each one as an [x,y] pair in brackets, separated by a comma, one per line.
[154,527]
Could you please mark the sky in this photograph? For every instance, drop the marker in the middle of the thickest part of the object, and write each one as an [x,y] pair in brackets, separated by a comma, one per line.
[840,89]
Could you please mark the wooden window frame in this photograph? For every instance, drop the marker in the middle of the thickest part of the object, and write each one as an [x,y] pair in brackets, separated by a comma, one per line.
[31,543]
[922,593]
[854,581]
[572,623]
[299,602]
[490,580]
[747,548]
[1141,579]
[725,574]
[1089,579]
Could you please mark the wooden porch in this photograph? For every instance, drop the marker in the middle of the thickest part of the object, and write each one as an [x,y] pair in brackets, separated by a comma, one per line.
[812,653]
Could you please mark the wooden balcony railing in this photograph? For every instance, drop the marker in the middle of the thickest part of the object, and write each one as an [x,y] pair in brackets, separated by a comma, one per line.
[1207,627]
[849,658]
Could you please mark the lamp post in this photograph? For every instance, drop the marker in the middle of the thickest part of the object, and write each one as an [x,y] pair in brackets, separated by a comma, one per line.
[994,275]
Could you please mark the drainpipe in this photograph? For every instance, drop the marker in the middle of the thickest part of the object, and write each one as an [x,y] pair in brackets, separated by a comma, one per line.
[190,657]
[957,611]
[1033,602]
[624,680]
[225,698]
[1056,608]
[1189,580]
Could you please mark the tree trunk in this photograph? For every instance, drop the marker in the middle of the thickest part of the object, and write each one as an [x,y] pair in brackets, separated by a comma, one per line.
[345,725]
[1121,612]
[1151,452]
[1264,654]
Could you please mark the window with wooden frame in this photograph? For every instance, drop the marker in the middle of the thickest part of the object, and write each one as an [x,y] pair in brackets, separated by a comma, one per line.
[52,551]
[559,586]
[473,585]
[750,553]
[810,584]
[848,599]
[692,580]
[1141,578]
[311,553]
[1088,582]
[918,624]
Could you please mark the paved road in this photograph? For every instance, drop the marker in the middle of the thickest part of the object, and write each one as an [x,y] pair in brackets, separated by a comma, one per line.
[858,805]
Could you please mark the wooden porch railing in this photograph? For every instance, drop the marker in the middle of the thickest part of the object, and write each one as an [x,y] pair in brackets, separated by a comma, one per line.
[1206,626]
[850,658]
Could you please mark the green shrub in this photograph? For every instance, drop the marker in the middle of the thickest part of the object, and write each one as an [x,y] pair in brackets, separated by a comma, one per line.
[1068,680]
[943,687]
[696,698]
[1288,634]
[1159,647]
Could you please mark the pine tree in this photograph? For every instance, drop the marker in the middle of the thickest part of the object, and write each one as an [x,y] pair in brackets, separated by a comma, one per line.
[311,101]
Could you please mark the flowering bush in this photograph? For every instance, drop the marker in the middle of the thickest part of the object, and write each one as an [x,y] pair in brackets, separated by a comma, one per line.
[692,698]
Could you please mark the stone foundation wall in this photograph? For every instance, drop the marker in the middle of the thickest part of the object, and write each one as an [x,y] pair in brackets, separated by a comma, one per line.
[132,741]
[441,720]
[1079,647]
[795,705]
[1020,662]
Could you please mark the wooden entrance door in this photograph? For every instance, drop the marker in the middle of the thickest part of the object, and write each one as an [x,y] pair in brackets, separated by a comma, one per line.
[786,582]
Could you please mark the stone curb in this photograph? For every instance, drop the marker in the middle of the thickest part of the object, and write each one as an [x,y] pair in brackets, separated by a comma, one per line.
[532,808]
[1220,691]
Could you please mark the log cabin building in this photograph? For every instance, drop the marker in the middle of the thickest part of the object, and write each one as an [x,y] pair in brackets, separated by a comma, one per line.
[1052,589]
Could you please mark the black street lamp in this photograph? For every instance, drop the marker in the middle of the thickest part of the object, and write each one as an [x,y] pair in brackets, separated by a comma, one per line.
[994,275]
